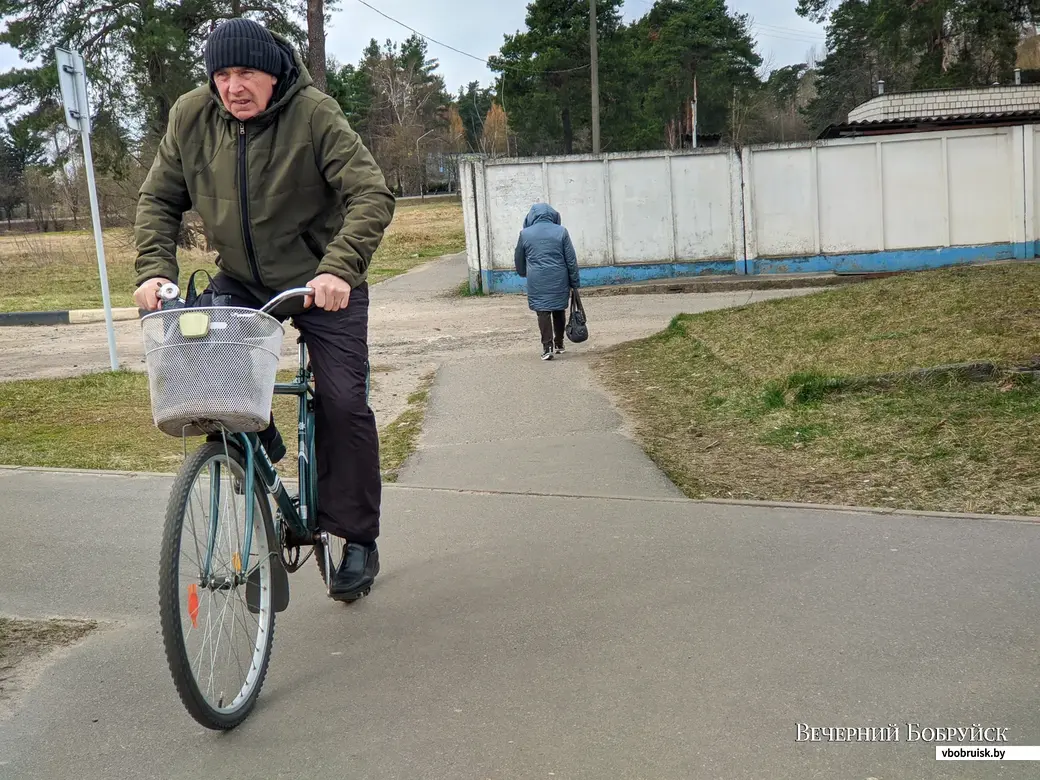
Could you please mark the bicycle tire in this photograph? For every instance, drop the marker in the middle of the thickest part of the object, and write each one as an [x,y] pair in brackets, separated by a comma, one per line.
[170,617]
[319,559]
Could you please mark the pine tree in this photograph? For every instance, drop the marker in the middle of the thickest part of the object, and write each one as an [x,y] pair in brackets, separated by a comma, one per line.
[141,54]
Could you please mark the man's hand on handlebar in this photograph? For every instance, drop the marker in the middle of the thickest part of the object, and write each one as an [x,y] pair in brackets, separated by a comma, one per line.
[147,295]
[330,293]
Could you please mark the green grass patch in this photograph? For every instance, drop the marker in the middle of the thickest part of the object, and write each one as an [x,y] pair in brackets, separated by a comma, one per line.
[463,291]
[780,400]
[400,438]
[58,271]
[104,421]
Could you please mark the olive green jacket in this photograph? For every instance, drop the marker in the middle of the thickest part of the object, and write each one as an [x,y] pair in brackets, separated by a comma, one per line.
[285,196]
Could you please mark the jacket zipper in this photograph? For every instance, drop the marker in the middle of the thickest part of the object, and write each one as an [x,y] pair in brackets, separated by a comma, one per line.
[243,198]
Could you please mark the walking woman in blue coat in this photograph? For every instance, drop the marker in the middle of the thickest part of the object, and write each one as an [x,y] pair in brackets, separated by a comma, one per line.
[545,257]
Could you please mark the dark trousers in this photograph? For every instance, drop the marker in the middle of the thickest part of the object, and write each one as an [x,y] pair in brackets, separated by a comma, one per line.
[346,438]
[551,325]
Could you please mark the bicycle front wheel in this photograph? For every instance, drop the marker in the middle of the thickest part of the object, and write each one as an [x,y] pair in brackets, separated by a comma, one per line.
[215,604]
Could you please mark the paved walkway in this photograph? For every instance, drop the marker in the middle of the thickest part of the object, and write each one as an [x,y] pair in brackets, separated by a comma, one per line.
[514,423]
[519,631]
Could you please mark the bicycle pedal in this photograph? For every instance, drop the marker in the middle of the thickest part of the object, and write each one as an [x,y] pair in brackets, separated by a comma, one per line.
[356,597]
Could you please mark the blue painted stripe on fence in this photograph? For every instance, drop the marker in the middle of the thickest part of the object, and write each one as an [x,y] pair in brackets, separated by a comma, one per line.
[503,281]
[899,260]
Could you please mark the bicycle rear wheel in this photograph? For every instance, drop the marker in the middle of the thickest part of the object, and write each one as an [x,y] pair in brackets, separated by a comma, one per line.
[217,619]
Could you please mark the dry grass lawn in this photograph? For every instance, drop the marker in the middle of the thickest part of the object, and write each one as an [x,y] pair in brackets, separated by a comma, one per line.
[57,271]
[753,402]
[27,640]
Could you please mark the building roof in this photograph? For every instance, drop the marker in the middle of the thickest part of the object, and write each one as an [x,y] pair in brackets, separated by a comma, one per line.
[930,123]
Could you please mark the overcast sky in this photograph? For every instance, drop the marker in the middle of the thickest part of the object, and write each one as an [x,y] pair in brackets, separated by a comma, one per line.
[477,29]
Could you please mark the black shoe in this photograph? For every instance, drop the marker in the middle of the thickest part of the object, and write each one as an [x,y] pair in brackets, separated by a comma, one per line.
[355,575]
[547,354]
[559,349]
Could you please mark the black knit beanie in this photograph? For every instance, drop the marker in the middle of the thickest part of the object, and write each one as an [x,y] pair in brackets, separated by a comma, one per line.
[242,43]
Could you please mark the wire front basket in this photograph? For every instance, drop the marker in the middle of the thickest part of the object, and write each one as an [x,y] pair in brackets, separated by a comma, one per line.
[211,368]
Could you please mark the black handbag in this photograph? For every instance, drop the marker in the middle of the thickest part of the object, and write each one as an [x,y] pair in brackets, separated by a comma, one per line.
[577,330]
[206,298]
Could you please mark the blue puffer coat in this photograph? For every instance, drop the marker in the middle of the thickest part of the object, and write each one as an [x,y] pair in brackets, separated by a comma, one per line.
[545,256]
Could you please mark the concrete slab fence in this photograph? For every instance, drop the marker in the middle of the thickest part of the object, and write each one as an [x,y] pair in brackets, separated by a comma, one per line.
[884,203]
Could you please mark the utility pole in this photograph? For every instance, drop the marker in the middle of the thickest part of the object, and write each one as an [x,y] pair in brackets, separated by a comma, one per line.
[594,52]
[693,115]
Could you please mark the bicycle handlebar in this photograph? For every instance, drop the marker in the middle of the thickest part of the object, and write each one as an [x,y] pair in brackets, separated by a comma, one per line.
[169,292]
[282,297]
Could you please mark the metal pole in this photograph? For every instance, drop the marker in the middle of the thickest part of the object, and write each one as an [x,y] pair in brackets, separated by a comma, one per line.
[693,114]
[72,80]
[95,213]
[594,52]
[422,168]
[418,160]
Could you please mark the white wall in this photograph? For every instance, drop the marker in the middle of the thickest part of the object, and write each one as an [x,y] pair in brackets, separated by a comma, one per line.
[956,188]
[911,191]
[1032,188]
[619,209]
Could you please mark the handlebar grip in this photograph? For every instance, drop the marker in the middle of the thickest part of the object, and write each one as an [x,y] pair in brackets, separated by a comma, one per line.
[298,292]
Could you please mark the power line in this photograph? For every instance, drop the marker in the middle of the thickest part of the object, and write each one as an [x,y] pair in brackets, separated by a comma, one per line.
[466,53]
[791,30]
[782,37]
[768,31]
[765,30]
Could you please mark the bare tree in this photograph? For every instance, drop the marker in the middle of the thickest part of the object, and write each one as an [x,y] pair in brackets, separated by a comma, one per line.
[71,186]
[41,198]
[407,117]
[495,141]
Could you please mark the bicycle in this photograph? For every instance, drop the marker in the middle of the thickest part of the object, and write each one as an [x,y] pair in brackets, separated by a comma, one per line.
[212,372]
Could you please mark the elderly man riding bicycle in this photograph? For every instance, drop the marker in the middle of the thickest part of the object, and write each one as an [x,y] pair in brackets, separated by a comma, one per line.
[291,198]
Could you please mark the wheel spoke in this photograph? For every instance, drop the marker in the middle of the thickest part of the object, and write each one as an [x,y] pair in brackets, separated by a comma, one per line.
[236,619]
[216,647]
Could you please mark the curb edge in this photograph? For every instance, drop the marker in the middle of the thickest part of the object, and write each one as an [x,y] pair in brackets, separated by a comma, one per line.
[66,317]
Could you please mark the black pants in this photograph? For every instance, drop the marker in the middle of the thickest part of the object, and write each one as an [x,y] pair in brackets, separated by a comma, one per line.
[346,438]
[551,325]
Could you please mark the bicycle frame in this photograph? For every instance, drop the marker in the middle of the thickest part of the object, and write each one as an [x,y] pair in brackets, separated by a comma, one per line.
[302,523]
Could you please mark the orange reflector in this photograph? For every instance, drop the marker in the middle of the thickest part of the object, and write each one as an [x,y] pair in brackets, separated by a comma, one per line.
[193,604]
[236,561]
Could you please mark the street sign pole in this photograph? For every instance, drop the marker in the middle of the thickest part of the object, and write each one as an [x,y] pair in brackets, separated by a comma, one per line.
[72,77]
[88,161]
